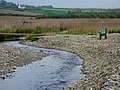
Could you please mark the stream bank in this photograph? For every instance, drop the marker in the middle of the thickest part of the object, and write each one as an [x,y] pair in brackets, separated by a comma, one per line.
[12,57]
[101,58]
[53,72]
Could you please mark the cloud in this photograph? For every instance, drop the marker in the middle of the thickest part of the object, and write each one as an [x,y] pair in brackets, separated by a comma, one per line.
[73,3]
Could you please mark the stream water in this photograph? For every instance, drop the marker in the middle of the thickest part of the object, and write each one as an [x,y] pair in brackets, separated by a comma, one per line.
[55,71]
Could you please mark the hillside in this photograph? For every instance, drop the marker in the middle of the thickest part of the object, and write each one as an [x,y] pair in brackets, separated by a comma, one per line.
[48,11]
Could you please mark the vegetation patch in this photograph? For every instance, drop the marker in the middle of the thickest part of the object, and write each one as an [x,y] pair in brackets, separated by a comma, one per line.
[114,31]
[51,12]
[26,30]
[81,32]
[7,38]
[32,37]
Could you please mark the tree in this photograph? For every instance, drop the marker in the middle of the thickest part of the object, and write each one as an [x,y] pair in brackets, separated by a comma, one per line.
[7,5]
[3,3]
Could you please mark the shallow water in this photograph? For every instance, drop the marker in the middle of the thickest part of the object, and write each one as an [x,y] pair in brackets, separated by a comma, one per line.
[55,71]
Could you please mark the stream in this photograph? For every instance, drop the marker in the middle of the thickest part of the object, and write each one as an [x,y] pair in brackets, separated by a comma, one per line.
[55,71]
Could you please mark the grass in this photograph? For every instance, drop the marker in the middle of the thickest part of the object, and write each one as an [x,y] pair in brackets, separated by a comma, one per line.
[69,24]
[114,31]
[81,32]
[12,12]
[15,36]
[32,37]
[36,30]
[89,32]
[7,38]
[61,26]
[48,11]
[58,30]
[56,9]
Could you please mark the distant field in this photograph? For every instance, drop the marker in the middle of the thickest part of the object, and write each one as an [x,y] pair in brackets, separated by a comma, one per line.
[17,12]
[56,11]
[92,25]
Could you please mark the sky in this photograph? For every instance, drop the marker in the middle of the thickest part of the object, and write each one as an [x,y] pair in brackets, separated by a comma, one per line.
[72,3]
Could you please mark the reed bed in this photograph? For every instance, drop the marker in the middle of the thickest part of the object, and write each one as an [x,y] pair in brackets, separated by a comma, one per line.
[67,26]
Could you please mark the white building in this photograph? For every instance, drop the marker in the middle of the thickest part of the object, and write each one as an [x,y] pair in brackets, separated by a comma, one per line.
[21,7]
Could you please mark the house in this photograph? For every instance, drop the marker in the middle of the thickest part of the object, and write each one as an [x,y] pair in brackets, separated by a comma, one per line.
[21,6]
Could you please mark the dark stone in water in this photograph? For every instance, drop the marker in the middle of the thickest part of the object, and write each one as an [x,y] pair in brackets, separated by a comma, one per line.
[62,82]
[3,77]
[42,65]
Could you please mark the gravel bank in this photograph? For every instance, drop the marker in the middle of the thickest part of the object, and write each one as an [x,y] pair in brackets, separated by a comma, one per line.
[101,59]
[11,57]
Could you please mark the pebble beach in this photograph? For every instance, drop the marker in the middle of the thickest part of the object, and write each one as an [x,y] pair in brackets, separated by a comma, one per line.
[12,57]
[101,58]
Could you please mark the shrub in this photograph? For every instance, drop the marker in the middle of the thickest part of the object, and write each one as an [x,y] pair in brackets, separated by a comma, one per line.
[7,38]
[38,29]
[114,31]
[32,37]
[81,32]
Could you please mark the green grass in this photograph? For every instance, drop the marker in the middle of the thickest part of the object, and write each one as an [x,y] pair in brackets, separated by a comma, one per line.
[13,34]
[87,32]
[62,29]
[114,31]
[81,32]
[56,11]
[32,37]
[36,30]
[7,38]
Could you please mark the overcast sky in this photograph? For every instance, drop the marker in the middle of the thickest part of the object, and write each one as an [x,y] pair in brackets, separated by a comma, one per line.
[73,3]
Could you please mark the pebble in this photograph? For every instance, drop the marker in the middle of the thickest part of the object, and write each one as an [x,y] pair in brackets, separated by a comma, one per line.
[100,58]
[12,57]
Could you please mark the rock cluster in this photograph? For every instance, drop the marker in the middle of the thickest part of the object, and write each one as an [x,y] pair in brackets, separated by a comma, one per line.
[11,57]
[101,59]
